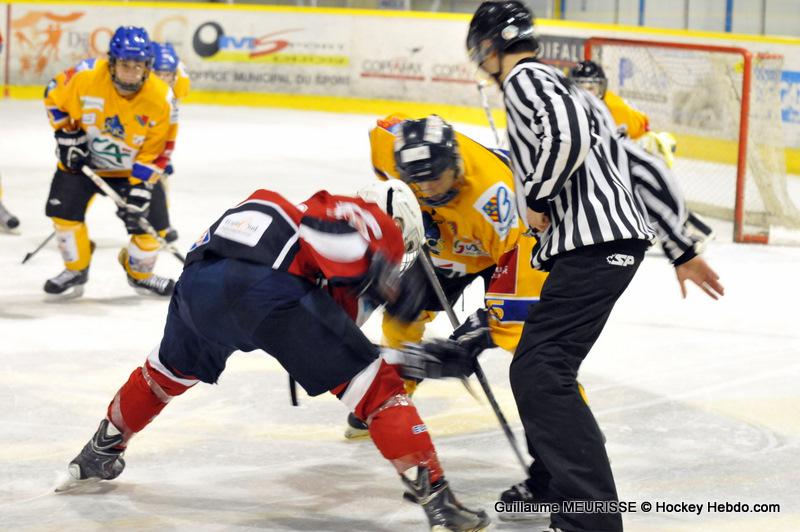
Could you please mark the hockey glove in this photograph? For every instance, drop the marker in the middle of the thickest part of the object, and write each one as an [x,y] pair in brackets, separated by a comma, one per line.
[412,296]
[382,281]
[436,359]
[473,335]
[72,148]
[137,205]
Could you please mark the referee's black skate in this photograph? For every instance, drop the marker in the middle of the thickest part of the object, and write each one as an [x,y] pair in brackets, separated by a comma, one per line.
[67,284]
[521,503]
[444,511]
[100,459]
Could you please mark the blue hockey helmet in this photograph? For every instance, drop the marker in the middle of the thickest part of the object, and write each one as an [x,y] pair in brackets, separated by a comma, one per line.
[165,59]
[129,43]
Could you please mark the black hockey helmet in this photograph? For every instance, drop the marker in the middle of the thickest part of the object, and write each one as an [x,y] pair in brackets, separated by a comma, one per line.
[501,23]
[587,74]
[423,150]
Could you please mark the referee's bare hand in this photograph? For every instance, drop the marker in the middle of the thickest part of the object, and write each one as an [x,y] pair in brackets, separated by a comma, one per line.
[538,220]
[700,273]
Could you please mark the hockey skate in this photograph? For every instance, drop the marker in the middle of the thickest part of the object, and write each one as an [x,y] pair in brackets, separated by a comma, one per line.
[356,429]
[521,495]
[443,510]
[67,284]
[100,459]
[171,235]
[155,285]
[7,220]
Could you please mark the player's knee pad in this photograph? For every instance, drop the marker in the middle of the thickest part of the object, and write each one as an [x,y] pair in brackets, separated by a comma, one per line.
[396,333]
[141,256]
[73,242]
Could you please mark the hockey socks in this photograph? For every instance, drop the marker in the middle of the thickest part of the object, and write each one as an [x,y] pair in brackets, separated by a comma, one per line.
[144,395]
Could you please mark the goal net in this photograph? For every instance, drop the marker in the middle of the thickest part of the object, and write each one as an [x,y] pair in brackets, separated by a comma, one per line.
[723,106]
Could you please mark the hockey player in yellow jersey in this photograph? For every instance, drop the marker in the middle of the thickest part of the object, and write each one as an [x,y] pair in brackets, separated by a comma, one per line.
[169,68]
[636,125]
[471,226]
[116,118]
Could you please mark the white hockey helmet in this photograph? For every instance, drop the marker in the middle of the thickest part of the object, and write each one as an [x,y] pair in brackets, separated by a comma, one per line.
[396,199]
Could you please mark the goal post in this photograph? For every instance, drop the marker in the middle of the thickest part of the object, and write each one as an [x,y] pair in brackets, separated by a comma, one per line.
[723,105]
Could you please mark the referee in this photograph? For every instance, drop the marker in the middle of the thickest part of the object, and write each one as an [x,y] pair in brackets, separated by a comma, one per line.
[592,238]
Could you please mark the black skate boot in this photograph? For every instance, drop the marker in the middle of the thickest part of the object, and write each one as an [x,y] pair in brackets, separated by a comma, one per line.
[67,284]
[7,220]
[100,459]
[153,285]
[520,503]
[171,235]
[444,511]
[356,429]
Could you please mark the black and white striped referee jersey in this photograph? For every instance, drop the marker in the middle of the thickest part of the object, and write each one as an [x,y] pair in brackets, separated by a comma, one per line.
[562,166]
[653,184]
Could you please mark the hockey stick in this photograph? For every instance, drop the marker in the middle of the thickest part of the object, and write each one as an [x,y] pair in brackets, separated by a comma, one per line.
[143,223]
[488,111]
[38,248]
[430,273]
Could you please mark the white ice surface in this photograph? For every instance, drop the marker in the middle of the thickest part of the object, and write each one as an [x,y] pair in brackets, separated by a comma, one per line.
[698,399]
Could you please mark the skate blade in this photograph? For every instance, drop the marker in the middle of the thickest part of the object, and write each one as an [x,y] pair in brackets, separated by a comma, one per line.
[68,482]
[521,517]
[440,528]
[70,293]
[353,434]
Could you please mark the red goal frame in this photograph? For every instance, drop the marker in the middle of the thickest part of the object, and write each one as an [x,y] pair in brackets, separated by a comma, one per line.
[739,234]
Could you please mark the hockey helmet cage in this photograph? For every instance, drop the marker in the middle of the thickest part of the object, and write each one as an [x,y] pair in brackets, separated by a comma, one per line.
[587,74]
[397,200]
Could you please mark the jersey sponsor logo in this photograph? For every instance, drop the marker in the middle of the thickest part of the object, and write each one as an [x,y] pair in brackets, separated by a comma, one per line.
[204,239]
[504,278]
[110,154]
[359,219]
[433,235]
[419,429]
[92,102]
[468,248]
[88,119]
[496,205]
[509,310]
[114,127]
[142,119]
[449,268]
[618,259]
[244,227]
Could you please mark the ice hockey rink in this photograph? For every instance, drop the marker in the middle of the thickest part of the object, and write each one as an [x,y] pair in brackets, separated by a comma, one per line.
[699,400]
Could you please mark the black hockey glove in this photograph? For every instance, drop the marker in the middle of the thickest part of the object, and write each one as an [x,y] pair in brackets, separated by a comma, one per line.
[436,359]
[72,149]
[412,296]
[473,334]
[137,205]
[382,282]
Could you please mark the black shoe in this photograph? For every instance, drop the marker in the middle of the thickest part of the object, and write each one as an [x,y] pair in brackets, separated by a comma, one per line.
[100,459]
[68,283]
[443,510]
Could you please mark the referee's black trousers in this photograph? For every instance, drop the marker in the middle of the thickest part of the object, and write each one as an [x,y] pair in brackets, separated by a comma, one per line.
[562,433]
